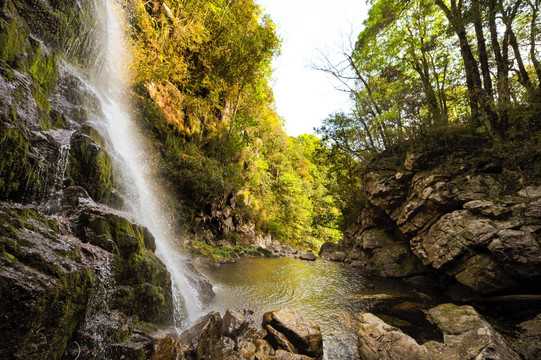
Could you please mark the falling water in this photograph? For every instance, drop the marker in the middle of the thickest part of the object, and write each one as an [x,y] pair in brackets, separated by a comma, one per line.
[127,149]
[64,139]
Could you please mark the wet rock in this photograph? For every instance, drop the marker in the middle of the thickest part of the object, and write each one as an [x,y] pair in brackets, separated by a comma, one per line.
[528,343]
[284,355]
[90,166]
[45,281]
[327,249]
[202,337]
[308,257]
[466,335]
[279,340]
[168,349]
[234,323]
[337,256]
[304,334]
[378,340]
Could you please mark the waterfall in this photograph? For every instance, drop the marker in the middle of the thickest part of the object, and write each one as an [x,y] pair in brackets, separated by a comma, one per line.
[127,149]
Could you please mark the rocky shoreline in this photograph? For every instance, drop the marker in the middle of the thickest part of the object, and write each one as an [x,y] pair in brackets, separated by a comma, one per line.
[285,335]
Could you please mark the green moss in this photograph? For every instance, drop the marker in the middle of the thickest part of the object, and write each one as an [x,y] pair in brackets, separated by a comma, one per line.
[12,40]
[8,256]
[55,309]
[90,166]
[43,69]
[15,169]
[258,251]
[143,283]
[202,249]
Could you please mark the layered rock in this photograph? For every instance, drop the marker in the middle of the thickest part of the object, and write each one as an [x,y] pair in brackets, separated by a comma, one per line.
[288,329]
[78,275]
[466,335]
[449,214]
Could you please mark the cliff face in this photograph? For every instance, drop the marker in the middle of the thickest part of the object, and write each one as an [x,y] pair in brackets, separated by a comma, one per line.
[76,276]
[458,214]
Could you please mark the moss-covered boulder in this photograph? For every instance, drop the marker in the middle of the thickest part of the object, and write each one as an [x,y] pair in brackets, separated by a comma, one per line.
[44,285]
[143,284]
[14,165]
[90,166]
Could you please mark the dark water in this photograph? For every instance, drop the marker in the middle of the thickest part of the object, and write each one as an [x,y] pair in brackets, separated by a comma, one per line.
[327,292]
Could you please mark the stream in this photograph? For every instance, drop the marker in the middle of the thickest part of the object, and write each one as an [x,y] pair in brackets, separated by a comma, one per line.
[327,292]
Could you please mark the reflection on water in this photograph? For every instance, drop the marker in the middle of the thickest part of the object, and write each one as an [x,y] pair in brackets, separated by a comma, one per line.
[326,292]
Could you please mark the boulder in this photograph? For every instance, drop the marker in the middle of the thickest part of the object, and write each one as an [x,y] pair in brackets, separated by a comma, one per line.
[202,337]
[378,340]
[284,355]
[326,249]
[168,349]
[279,340]
[308,257]
[234,323]
[466,336]
[528,343]
[303,334]
[337,256]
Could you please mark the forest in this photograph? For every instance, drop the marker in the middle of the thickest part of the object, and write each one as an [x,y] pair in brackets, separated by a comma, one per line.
[147,185]
[420,73]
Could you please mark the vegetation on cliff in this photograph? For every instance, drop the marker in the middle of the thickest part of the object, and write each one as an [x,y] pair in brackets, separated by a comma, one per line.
[202,72]
[431,75]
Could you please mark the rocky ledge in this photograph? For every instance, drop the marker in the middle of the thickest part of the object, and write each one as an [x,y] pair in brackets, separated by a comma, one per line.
[80,276]
[466,335]
[455,215]
[286,335]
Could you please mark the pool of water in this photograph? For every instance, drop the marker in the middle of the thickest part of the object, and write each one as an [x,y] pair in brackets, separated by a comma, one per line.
[327,292]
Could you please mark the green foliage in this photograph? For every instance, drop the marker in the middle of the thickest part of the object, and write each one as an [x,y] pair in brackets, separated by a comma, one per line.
[202,71]
[201,248]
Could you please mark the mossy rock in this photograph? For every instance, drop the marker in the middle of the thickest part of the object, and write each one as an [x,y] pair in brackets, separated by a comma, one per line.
[13,35]
[143,282]
[90,166]
[48,290]
[15,169]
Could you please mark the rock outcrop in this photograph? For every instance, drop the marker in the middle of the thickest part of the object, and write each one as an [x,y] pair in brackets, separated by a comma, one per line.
[77,278]
[448,214]
[466,335]
[77,275]
[290,337]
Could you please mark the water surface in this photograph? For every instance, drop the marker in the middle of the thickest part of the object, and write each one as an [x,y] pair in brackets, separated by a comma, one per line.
[327,292]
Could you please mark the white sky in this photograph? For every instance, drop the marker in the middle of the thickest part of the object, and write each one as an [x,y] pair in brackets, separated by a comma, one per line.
[304,97]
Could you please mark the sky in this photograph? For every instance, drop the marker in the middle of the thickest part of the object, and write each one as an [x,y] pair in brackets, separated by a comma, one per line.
[308,28]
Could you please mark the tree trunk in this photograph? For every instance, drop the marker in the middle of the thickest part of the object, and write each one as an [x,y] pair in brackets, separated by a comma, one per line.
[478,98]
[481,45]
[502,73]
